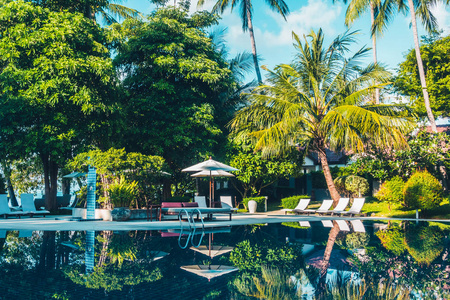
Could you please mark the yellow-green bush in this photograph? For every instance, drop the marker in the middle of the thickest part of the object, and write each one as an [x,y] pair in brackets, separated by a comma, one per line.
[422,191]
[292,201]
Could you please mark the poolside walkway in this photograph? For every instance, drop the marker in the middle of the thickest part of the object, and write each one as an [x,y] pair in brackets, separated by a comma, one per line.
[50,223]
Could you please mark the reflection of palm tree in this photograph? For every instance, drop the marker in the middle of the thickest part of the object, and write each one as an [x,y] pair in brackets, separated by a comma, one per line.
[246,12]
[316,103]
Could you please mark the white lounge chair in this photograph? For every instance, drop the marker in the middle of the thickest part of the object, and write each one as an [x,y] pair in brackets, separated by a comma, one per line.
[5,210]
[326,204]
[226,201]
[358,204]
[201,200]
[340,207]
[27,203]
[302,204]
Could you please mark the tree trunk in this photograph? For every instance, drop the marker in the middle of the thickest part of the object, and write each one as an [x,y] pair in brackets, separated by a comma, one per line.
[374,47]
[423,82]
[326,257]
[329,179]
[9,186]
[50,180]
[252,40]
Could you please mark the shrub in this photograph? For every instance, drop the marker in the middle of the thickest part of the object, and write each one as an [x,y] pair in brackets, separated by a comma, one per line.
[356,185]
[422,191]
[292,201]
[351,185]
[391,191]
[122,193]
[357,240]
[260,200]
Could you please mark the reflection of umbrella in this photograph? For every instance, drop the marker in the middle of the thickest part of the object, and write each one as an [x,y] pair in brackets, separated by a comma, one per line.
[155,255]
[214,251]
[209,271]
[209,166]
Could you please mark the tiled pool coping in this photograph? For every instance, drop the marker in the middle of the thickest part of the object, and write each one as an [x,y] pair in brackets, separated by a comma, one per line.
[50,223]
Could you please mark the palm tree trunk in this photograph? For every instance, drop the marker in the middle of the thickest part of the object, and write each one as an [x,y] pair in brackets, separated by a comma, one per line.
[374,47]
[252,40]
[421,69]
[329,179]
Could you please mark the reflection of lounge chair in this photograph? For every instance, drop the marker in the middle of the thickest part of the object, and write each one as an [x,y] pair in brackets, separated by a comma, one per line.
[327,223]
[326,204]
[304,223]
[358,204]
[5,210]
[25,233]
[358,226]
[302,204]
[27,202]
[343,225]
[226,201]
[2,234]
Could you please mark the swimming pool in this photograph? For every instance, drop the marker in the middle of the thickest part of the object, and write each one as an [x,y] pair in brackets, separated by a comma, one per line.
[278,261]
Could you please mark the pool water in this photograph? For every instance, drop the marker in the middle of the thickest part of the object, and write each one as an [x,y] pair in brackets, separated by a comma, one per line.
[294,260]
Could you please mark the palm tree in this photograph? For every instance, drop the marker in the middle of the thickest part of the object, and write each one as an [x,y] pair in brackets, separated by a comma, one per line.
[417,8]
[316,103]
[246,12]
[354,11]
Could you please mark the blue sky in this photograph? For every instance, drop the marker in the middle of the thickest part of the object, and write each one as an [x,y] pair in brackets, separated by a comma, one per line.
[273,34]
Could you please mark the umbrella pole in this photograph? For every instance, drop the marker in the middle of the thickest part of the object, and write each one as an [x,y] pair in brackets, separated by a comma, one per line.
[210,189]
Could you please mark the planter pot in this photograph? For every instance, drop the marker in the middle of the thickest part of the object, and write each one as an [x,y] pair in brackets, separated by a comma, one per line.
[252,204]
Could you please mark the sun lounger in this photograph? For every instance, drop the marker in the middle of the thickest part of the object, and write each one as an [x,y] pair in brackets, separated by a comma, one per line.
[342,204]
[326,204]
[5,210]
[201,200]
[227,202]
[358,204]
[27,203]
[302,204]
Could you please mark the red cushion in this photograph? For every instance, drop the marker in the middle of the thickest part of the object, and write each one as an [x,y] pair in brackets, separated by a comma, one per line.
[170,204]
[190,204]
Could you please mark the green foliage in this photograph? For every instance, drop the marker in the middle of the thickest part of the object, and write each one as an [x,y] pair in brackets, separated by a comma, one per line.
[357,240]
[176,86]
[250,257]
[393,239]
[391,191]
[318,180]
[351,185]
[122,192]
[255,172]
[425,244]
[422,191]
[292,201]
[57,81]
[436,62]
[145,170]
[259,200]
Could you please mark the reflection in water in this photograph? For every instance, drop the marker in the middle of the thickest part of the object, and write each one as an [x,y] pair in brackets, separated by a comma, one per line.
[398,261]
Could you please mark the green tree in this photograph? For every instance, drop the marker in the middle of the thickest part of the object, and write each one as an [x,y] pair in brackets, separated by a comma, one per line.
[246,13]
[317,103]
[177,86]
[437,63]
[255,172]
[56,84]
[108,10]
[422,191]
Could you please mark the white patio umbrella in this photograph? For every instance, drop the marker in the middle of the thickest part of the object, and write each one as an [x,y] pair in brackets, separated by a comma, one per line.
[209,271]
[212,169]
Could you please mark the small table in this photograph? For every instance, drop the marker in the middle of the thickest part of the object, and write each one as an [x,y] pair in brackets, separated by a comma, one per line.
[158,211]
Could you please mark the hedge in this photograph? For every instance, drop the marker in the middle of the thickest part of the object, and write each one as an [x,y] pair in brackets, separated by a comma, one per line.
[260,200]
[292,201]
